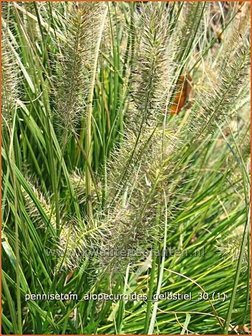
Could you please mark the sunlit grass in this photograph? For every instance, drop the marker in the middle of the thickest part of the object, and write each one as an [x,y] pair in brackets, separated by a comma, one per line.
[94,161]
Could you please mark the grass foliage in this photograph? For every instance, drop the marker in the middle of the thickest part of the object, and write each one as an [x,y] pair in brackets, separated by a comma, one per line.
[99,177]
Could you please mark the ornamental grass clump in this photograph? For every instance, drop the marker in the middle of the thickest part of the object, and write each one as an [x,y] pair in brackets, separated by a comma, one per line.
[125,166]
[145,164]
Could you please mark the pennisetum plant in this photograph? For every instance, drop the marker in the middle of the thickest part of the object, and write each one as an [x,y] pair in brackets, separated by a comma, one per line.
[142,168]
[120,175]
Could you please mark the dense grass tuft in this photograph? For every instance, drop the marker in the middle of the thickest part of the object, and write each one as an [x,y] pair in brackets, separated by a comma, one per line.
[104,169]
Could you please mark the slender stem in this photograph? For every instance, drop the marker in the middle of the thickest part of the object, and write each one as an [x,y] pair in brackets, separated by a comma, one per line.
[237,276]
[17,252]
[150,293]
[122,303]
[160,279]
